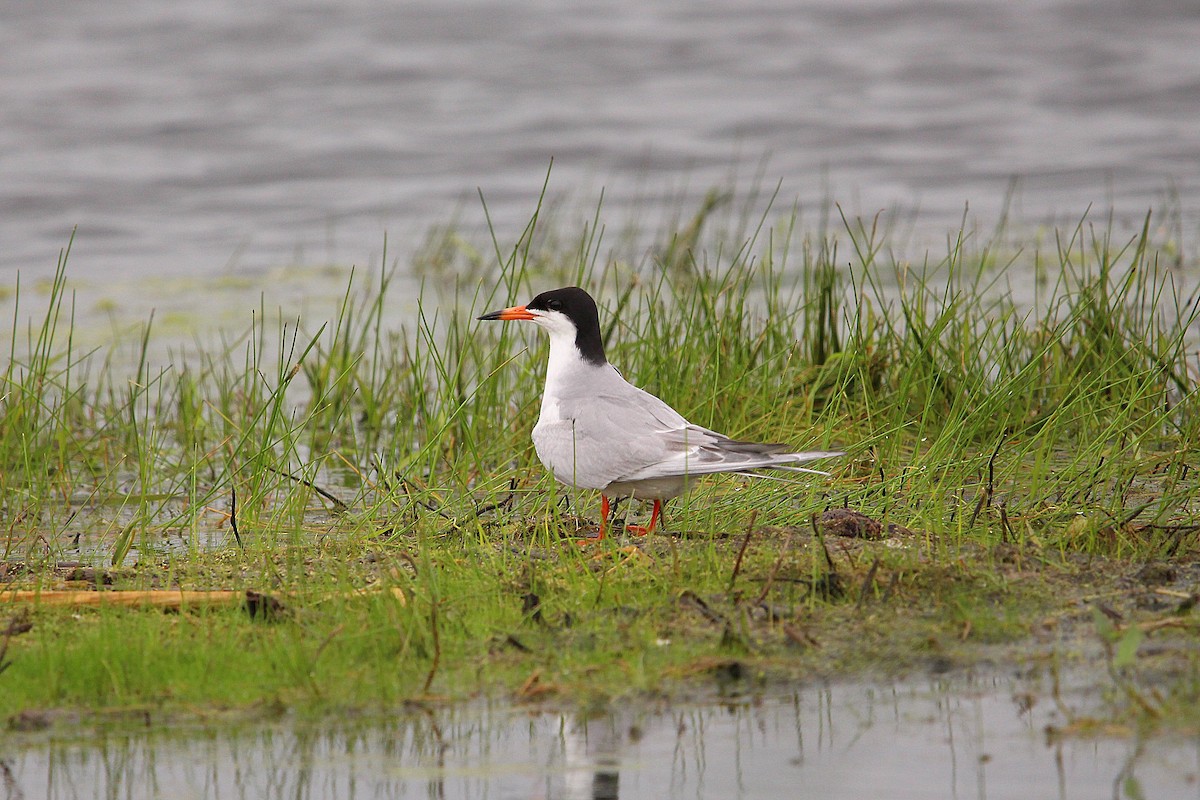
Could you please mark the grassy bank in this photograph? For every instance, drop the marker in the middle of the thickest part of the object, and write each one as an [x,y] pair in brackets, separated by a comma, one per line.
[1020,484]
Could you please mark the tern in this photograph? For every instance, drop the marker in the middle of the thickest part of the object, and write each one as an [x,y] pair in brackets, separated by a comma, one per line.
[598,431]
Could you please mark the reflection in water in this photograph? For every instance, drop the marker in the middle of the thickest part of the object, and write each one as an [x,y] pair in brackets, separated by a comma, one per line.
[967,740]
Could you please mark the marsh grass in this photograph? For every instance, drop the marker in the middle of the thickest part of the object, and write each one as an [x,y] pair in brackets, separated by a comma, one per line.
[380,479]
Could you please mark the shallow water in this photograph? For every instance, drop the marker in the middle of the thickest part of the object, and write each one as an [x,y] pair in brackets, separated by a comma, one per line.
[199,138]
[963,738]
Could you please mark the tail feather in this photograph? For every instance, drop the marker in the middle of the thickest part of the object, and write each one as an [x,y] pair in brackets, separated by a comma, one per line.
[812,455]
[804,470]
[750,461]
[766,476]
[752,448]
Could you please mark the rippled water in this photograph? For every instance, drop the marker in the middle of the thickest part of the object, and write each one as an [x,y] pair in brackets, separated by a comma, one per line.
[188,138]
[946,739]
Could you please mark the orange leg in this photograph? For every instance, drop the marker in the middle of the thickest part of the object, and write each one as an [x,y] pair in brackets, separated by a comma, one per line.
[654,515]
[604,509]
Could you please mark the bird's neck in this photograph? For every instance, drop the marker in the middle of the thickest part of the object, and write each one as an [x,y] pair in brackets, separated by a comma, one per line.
[567,366]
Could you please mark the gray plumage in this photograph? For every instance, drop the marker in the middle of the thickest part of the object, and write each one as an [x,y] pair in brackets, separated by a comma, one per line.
[598,431]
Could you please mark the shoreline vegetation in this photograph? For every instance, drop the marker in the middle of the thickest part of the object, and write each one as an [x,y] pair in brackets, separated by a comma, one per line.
[1021,489]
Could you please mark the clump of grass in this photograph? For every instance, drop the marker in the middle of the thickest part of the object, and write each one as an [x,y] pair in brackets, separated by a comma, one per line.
[1081,402]
[380,478]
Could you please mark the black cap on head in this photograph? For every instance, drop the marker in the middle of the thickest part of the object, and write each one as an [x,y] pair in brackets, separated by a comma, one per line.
[578,306]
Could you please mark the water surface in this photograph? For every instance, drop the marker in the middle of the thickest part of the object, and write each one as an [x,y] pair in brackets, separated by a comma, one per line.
[200,138]
[961,738]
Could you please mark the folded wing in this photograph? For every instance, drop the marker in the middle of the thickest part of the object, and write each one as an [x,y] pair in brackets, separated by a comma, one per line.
[632,436]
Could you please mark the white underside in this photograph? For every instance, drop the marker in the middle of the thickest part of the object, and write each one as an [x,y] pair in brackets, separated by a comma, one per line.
[652,489]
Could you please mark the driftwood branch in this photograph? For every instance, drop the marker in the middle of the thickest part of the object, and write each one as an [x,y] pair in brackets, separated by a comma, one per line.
[167,599]
[163,598]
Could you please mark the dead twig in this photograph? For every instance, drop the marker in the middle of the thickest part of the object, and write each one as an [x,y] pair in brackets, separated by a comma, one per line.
[517,644]
[867,583]
[737,563]
[690,598]
[437,648]
[891,587]
[233,525]
[1006,531]
[503,502]
[985,499]
[787,545]
[171,599]
[428,505]
[802,638]
[325,642]
[338,505]
[16,626]
[1160,624]
[531,607]
[256,603]
[828,585]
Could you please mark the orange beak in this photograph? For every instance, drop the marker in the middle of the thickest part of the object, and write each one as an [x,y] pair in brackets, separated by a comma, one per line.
[516,312]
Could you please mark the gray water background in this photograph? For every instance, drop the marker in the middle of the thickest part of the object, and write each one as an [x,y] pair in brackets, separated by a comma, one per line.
[192,139]
[968,738]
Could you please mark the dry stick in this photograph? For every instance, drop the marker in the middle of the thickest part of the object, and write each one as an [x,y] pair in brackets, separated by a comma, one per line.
[1005,528]
[866,584]
[169,599]
[325,643]
[406,556]
[1137,512]
[821,540]
[426,504]
[800,637]
[530,682]
[1180,531]
[233,515]
[16,626]
[694,600]
[163,598]
[9,780]
[404,486]
[502,502]
[985,499]
[882,477]
[1158,624]
[737,563]
[1087,493]
[517,644]
[992,470]
[787,543]
[887,593]
[831,584]
[337,504]
[437,649]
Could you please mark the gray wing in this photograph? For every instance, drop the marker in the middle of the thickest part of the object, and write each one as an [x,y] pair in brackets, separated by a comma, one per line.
[628,434]
[607,434]
[700,451]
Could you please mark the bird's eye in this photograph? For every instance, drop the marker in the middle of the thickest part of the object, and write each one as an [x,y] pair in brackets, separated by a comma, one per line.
[554,305]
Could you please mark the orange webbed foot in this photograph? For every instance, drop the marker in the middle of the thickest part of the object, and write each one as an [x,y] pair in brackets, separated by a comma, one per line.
[639,530]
